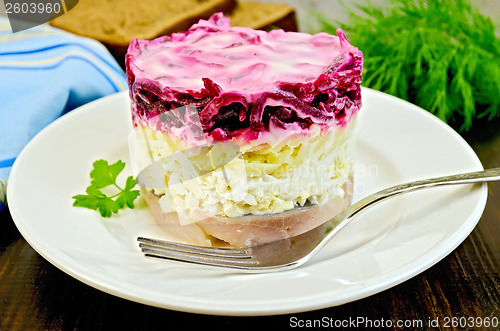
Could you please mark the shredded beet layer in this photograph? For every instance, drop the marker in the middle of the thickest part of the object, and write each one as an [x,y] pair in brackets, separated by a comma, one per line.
[332,98]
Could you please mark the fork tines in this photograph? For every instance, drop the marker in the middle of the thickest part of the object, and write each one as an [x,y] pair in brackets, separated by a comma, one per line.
[220,256]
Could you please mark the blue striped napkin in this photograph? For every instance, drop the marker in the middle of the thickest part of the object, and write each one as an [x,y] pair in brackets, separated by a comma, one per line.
[44,73]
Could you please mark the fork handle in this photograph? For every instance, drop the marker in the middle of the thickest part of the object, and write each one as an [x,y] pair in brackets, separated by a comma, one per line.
[355,209]
[465,178]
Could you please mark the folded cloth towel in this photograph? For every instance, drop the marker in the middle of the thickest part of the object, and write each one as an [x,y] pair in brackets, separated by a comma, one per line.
[3,193]
[44,73]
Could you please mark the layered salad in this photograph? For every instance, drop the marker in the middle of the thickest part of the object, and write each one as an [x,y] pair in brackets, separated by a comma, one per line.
[243,136]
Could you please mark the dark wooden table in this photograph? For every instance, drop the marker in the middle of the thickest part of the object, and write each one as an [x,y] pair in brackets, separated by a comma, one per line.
[34,295]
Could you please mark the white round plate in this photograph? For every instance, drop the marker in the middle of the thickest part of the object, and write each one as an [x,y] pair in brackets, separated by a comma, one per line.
[397,142]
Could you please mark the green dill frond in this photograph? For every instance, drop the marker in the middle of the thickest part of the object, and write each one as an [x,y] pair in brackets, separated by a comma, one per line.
[442,55]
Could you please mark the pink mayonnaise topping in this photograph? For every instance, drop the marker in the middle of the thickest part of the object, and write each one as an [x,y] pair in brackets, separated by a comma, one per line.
[237,59]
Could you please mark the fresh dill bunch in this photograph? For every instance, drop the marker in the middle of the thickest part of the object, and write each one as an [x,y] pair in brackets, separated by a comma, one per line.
[442,55]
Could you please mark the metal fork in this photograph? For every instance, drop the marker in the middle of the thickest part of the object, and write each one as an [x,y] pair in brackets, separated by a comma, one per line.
[295,251]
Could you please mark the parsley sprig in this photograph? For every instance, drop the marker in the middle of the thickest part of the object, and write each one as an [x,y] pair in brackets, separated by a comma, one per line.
[104,178]
[442,55]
